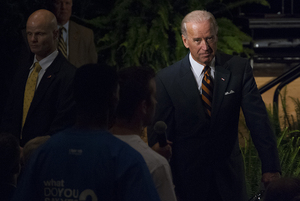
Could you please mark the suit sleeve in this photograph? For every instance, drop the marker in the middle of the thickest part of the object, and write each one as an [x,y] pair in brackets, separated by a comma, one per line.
[259,124]
[164,112]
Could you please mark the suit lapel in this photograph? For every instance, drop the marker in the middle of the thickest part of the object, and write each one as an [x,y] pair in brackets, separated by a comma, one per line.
[188,85]
[46,81]
[187,80]
[222,77]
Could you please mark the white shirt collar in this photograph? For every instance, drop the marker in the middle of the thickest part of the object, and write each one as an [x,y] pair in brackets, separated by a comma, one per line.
[66,26]
[198,68]
[47,61]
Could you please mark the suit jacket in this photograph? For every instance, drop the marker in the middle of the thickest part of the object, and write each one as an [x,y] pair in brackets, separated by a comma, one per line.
[82,48]
[52,107]
[206,153]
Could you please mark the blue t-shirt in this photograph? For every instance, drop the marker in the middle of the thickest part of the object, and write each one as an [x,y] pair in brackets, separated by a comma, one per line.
[82,165]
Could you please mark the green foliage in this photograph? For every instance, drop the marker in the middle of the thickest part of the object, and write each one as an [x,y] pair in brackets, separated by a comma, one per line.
[288,144]
[296,120]
[286,118]
[252,163]
[288,121]
[147,32]
[137,33]
[288,149]
[231,39]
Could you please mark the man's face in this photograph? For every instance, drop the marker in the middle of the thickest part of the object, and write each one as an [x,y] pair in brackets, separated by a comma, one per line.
[201,40]
[41,37]
[63,10]
[152,103]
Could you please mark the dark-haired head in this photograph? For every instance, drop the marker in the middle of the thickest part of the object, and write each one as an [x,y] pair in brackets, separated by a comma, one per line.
[135,87]
[95,92]
[283,189]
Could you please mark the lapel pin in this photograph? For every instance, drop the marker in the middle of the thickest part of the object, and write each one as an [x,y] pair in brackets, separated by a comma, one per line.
[49,76]
[222,79]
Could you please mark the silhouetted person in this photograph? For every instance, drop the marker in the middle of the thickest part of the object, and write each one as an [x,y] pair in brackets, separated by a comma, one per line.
[135,111]
[86,161]
[283,189]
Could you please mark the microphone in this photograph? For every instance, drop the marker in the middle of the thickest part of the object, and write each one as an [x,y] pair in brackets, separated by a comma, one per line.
[160,128]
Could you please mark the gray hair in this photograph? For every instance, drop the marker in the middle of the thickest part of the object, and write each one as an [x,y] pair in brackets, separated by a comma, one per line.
[198,16]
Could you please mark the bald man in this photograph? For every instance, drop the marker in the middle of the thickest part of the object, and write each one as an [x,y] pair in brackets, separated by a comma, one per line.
[41,100]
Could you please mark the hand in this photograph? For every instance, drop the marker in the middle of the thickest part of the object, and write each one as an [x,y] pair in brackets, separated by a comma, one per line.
[165,151]
[269,177]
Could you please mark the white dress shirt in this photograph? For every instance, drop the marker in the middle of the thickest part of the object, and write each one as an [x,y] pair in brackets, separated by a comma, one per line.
[197,70]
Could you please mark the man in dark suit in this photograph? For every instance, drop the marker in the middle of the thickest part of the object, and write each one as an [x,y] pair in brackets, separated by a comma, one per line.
[79,39]
[207,163]
[44,104]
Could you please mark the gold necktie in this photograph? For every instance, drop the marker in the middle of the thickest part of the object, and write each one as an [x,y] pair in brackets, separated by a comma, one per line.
[30,89]
[207,90]
[62,46]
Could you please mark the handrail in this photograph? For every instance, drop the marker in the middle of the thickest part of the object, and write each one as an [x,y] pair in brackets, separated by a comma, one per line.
[283,79]
[279,79]
[284,83]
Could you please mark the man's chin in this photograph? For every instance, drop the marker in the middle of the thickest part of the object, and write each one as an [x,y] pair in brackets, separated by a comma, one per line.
[63,18]
[206,61]
[34,50]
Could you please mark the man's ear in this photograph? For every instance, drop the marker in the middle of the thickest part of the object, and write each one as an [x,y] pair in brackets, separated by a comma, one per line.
[144,107]
[55,34]
[184,40]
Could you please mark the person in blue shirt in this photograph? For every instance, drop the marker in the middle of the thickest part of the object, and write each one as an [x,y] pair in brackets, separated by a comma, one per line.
[86,162]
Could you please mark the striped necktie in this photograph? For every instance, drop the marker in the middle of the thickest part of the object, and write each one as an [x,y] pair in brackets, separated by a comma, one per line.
[62,46]
[207,90]
[30,90]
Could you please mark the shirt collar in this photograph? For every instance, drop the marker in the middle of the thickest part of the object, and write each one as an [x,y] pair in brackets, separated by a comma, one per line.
[47,61]
[198,68]
[66,26]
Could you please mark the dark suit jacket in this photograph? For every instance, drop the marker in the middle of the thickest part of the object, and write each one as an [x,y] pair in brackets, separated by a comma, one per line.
[52,107]
[82,48]
[206,152]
